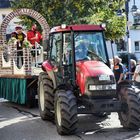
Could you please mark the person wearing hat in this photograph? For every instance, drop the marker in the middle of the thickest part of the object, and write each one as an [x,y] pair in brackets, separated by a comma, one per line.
[20,36]
[118,69]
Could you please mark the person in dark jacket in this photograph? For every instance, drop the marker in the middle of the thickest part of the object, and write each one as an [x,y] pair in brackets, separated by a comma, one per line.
[118,69]
[20,36]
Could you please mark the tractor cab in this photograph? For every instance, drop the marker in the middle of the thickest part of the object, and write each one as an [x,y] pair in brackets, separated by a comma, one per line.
[86,41]
[73,46]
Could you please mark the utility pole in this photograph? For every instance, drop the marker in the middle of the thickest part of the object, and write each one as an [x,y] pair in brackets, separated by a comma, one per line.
[128,35]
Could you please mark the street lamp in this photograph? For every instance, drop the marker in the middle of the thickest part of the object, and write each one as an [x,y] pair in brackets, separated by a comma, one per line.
[136,14]
[119,13]
[134,7]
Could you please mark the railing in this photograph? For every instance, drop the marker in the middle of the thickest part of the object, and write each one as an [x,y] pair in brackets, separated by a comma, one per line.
[38,51]
[21,61]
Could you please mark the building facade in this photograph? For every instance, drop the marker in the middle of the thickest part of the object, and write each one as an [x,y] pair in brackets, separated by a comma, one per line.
[134,32]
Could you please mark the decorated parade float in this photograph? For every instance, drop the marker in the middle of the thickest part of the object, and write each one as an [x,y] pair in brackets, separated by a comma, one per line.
[18,82]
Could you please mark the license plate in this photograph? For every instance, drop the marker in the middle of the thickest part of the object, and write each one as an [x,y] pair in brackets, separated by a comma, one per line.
[104,77]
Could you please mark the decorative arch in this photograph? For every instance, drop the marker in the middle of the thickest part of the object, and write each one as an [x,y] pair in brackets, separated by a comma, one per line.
[29,12]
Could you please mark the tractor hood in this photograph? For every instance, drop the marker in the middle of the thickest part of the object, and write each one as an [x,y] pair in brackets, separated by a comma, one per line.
[93,68]
[93,72]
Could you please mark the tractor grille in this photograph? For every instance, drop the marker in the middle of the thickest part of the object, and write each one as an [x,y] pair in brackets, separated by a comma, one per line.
[96,81]
[109,93]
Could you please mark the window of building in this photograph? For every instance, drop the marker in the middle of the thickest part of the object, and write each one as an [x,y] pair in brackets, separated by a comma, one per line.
[137,45]
[3,16]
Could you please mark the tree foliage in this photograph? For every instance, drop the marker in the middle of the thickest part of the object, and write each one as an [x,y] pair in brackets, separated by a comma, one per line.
[57,12]
[106,12]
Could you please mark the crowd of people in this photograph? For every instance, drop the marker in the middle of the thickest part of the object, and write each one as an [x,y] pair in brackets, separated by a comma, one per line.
[20,40]
[121,72]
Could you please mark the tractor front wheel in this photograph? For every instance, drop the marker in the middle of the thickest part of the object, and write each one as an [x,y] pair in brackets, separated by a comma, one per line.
[46,97]
[65,112]
[130,116]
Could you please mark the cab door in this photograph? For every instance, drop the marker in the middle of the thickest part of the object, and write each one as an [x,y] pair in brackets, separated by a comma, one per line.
[55,57]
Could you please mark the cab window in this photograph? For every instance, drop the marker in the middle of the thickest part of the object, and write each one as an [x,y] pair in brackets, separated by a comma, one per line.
[56,47]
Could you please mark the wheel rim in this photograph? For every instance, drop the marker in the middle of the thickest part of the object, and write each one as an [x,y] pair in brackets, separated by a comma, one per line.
[42,98]
[58,113]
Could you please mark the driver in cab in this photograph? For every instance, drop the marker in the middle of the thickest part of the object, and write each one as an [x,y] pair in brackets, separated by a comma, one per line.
[81,50]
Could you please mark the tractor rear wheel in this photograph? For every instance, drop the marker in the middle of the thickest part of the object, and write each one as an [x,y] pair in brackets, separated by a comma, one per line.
[46,97]
[130,117]
[65,113]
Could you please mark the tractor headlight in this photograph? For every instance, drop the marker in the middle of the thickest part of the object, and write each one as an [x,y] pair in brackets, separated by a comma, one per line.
[102,87]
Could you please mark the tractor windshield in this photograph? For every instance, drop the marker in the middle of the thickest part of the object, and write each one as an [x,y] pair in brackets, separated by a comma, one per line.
[89,46]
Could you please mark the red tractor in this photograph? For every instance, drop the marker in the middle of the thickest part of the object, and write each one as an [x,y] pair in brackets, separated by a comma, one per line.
[77,79]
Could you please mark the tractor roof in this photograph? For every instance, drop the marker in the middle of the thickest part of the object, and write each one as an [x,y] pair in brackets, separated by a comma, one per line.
[77,28]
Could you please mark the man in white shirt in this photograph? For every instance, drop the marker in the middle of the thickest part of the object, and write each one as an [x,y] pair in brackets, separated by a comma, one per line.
[136,76]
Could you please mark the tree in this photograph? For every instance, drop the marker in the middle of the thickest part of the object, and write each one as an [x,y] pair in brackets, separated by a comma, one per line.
[106,12]
[58,12]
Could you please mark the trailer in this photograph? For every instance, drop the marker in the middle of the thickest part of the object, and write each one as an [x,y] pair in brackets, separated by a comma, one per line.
[18,84]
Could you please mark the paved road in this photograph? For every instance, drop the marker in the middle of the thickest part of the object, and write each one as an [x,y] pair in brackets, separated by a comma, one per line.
[20,123]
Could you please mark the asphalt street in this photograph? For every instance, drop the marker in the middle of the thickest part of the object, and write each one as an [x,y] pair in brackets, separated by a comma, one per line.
[20,123]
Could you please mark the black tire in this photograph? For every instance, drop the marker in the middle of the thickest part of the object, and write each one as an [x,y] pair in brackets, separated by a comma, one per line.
[45,97]
[66,113]
[130,117]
